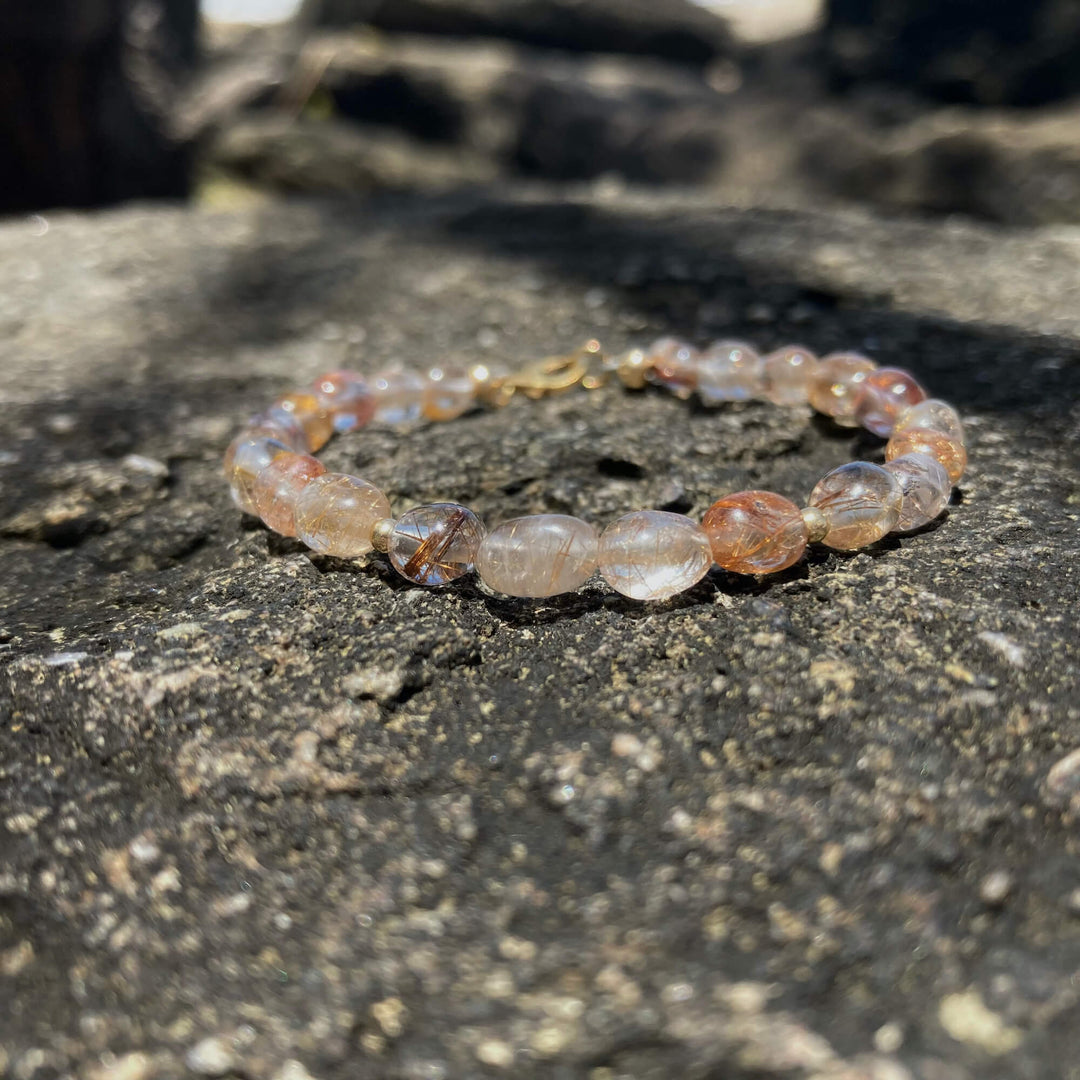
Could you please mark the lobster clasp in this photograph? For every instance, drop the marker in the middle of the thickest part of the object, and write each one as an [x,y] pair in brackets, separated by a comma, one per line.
[554,374]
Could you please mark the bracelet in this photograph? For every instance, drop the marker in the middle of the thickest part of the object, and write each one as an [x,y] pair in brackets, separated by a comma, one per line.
[646,555]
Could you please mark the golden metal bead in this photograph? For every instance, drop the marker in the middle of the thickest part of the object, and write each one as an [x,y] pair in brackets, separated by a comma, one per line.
[380,534]
[633,368]
[817,524]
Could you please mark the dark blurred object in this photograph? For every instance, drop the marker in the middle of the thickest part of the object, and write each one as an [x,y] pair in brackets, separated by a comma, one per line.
[1008,52]
[87,92]
[673,29]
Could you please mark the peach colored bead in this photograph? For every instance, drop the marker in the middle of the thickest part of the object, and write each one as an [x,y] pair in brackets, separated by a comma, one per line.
[278,487]
[883,396]
[450,392]
[862,502]
[537,556]
[247,456]
[787,374]
[755,532]
[304,411]
[399,396]
[434,544]
[729,371]
[336,513]
[925,486]
[673,364]
[948,451]
[935,415]
[836,385]
[652,555]
[347,397]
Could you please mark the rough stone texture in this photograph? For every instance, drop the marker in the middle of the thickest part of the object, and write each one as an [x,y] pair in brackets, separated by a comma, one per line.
[271,816]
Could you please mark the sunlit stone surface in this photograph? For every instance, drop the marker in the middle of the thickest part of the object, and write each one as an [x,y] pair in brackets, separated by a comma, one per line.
[652,555]
[302,411]
[399,396]
[836,385]
[787,374]
[934,415]
[949,452]
[538,556]
[925,486]
[247,456]
[347,397]
[729,371]
[755,532]
[278,486]
[862,502]
[450,392]
[673,364]
[434,544]
[335,514]
[883,396]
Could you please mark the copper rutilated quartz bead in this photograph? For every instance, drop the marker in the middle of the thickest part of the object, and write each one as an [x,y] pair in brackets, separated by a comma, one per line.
[862,502]
[303,411]
[450,392]
[925,486]
[787,374]
[278,487]
[652,555]
[347,397]
[935,415]
[755,532]
[399,396]
[883,396]
[538,556]
[335,514]
[434,544]
[729,371]
[836,385]
[949,452]
[673,365]
[246,457]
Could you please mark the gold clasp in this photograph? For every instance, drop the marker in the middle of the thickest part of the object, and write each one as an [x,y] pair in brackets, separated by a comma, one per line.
[554,374]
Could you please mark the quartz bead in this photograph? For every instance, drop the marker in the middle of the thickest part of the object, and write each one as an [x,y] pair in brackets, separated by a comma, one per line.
[932,414]
[399,396]
[862,502]
[787,374]
[247,456]
[336,513]
[729,371]
[652,555]
[449,393]
[883,395]
[347,397]
[925,486]
[304,412]
[538,556]
[278,487]
[949,452]
[673,364]
[434,544]
[836,385]
[755,532]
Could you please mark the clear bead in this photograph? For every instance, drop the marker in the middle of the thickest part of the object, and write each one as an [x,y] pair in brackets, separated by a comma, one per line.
[730,371]
[925,486]
[787,374]
[541,555]
[934,415]
[862,502]
[278,487]
[301,411]
[399,396]
[836,385]
[336,513]
[652,555]
[434,544]
[672,364]
[755,532]
[885,394]
[949,452]
[347,397]
[247,456]
[450,392]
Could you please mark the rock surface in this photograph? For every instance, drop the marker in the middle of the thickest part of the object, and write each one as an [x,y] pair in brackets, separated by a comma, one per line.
[272,816]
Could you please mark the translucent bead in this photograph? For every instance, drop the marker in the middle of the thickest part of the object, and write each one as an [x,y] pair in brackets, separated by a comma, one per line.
[862,502]
[949,452]
[336,513]
[787,374]
[932,414]
[247,456]
[538,556]
[347,397]
[729,371]
[834,388]
[925,486]
[450,392]
[278,487]
[302,411]
[399,396]
[755,532]
[651,554]
[883,396]
[434,544]
[672,364]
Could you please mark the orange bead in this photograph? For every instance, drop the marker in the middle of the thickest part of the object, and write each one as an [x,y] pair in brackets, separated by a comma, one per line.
[347,397]
[305,412]
[278,487]
[755,532]
[949,452]
[836,386]
[673,364]
[883,396]
[450,392]
[862,503]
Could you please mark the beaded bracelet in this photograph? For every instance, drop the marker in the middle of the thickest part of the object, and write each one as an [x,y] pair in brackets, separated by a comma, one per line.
[647,555]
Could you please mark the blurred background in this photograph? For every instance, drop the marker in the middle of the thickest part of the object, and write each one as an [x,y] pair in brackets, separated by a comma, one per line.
[924,106]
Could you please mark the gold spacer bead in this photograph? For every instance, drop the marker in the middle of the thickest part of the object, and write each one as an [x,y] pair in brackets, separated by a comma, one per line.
[380,534]
[633,368]
[490,384]
[817,524]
